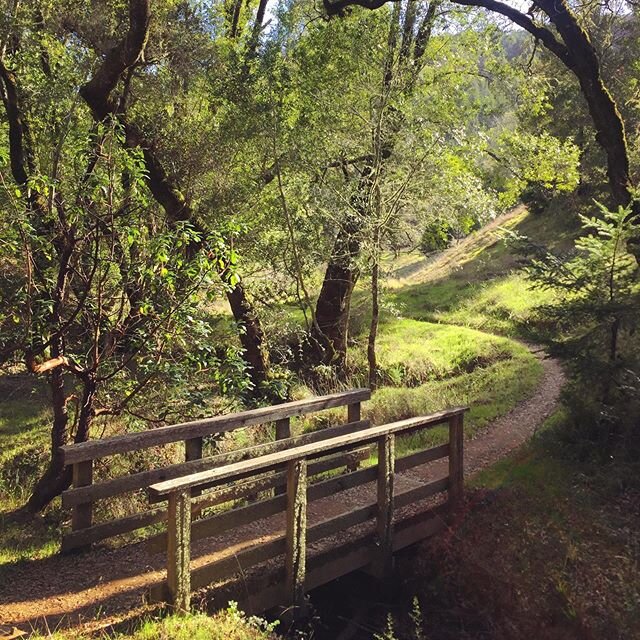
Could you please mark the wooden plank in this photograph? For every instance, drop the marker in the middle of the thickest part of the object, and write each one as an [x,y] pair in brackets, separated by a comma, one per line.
[422,457]
[193,449]
[420,493]
[295,556]
[420,528]
[384,514]
[456,465]
[271,461]
[354,412]
[97,532]
[82,476]
[179,550]
[144,479]
[326,570]
[283,431]
[341,483]
[334,525]
[331,526]
[221,522]
[238,563]
[219,424]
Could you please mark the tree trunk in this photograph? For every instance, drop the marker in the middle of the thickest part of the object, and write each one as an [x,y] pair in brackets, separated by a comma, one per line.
[330,331]
[251,336]
[373,327]
[98,95]
[57,477]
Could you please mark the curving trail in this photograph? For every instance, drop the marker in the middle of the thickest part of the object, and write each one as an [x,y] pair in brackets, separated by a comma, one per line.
[103,587]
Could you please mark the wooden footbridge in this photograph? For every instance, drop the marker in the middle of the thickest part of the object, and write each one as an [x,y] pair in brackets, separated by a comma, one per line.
[272,521]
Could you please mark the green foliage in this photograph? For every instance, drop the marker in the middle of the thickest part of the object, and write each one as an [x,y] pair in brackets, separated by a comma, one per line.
[228,624]
[536,167]
[435,237]
[592,323]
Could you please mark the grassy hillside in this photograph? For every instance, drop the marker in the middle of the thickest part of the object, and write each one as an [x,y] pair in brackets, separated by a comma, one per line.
[547,546]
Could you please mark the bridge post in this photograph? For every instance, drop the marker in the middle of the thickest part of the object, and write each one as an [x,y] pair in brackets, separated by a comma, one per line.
[82,514]
[179,550]
[354,414]
[193,451]
[283,431]
[456,460]
[296,552]
[384,523]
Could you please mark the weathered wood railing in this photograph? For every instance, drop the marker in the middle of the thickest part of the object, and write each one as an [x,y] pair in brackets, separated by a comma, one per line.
[85,492]
[298,461]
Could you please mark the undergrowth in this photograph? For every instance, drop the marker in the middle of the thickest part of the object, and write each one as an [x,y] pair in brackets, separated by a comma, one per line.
[229,624]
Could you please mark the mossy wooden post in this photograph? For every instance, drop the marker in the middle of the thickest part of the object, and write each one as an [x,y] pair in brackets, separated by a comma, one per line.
[384,524]
[354,412]
[456,464]
[295,557]
[82,514]
[283,431]
[179,550]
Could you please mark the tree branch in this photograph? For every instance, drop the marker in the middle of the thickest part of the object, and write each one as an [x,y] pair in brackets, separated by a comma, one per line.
[97,92]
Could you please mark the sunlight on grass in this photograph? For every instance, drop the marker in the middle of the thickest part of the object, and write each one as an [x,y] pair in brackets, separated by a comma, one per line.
[230,624]
[490,392]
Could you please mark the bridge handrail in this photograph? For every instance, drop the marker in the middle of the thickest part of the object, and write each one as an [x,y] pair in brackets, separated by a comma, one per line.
[81,458]
[94,449]
[293,544]
[268,462]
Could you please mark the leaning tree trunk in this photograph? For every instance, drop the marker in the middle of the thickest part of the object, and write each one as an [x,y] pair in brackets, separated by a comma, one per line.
[330,330]
[98,94]
[251,336]
[57,477]
[610,130]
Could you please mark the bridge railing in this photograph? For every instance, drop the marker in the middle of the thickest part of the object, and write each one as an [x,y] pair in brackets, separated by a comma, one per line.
[84,493]
[296,463]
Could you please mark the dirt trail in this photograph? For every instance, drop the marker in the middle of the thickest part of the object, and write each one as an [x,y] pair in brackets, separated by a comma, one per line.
[95,589]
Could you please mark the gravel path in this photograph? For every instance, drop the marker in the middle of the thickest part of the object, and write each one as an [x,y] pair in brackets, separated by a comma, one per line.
[104,586]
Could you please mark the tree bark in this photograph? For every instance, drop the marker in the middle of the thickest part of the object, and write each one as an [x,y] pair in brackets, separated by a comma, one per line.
[251,336]
[56,477]
[373,327]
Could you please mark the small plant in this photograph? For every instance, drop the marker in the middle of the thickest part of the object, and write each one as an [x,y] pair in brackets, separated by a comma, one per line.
[417,620]
[389,631]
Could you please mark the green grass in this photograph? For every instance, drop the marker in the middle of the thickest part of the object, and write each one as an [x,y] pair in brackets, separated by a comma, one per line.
[230,624]
[479,284]
[411,352]
[490,391]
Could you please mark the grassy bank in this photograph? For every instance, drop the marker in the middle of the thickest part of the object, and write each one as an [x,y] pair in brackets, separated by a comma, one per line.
[230,624]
